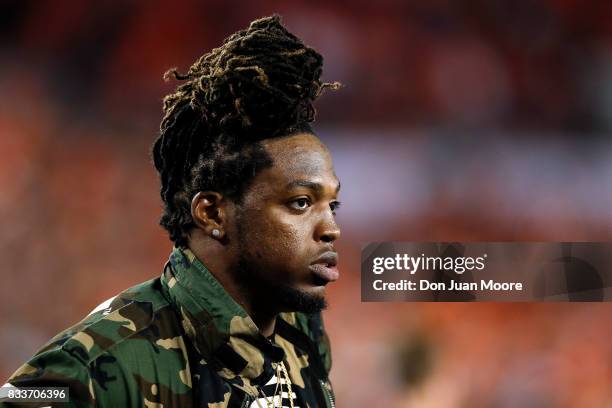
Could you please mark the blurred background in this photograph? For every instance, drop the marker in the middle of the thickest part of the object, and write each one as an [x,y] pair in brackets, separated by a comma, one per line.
[459,121]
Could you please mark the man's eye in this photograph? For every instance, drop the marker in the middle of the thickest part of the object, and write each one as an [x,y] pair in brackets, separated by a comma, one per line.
[300,204]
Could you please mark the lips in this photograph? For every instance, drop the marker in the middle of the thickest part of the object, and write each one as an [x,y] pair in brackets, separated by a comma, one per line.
[324,268]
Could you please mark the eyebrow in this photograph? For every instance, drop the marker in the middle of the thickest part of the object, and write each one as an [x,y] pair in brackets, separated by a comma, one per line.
[318,187]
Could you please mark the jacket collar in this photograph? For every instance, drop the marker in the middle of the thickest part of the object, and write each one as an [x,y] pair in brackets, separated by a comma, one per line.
[219,328]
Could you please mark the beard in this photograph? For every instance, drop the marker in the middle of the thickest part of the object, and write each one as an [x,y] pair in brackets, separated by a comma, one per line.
[295,300]
[273,295]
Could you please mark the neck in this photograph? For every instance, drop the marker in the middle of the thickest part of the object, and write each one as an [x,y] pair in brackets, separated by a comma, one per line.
[217,259]
[266,321]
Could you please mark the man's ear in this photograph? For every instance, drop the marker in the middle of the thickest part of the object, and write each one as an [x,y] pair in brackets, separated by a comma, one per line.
[209,213]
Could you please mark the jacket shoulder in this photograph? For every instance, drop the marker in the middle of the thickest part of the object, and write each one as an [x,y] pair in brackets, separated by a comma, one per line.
[110,323]
[127,349]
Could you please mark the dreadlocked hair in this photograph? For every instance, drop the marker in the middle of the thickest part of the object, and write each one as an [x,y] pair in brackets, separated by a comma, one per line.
[259,84]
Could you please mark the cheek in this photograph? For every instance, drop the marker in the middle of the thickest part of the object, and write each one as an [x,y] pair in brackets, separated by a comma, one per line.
[275,238]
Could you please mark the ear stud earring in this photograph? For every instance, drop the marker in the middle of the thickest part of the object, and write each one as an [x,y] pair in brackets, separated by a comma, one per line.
[216,233]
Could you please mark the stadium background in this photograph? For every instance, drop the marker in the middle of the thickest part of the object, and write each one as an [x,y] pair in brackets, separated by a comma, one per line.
[459,120]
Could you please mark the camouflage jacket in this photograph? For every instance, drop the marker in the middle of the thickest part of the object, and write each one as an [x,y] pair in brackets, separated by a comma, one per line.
[180,341]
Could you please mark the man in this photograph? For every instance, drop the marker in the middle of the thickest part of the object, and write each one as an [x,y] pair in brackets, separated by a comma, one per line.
[249,196]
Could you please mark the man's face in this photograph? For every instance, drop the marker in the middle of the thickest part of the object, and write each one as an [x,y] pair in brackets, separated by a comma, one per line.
[286,226]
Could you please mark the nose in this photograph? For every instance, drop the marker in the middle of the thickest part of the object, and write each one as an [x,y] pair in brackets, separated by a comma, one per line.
[327,230]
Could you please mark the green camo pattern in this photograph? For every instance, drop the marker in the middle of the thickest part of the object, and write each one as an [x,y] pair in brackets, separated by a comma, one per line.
[179,341]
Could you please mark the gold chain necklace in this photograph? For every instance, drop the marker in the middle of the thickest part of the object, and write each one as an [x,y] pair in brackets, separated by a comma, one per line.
[281,372]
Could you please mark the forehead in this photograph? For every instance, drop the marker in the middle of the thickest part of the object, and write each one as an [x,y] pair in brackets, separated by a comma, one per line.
[299,157]
[302,152]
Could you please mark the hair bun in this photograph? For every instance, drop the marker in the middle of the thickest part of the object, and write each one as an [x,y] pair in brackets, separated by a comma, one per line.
[256,84]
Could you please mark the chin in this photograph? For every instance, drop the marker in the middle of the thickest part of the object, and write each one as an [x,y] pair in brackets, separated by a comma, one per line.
[313,290]
[305,300]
